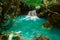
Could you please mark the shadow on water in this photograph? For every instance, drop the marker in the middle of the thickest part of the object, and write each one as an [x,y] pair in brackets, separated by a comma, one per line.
[55,30]
[7,25]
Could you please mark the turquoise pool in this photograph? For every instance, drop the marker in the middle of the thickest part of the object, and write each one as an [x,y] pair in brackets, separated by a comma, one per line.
[29,28]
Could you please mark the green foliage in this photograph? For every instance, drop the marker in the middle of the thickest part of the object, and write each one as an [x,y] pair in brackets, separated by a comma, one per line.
[50,6]
[6,11]
[32,3]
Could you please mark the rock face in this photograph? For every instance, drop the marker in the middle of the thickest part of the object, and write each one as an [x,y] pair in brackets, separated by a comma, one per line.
[54,19]
[25,9]
[54,16]
[55,8]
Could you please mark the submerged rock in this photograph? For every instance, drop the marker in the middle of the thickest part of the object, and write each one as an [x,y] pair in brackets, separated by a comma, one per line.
[41,38]
[44,38]
[15,36]
[47,25]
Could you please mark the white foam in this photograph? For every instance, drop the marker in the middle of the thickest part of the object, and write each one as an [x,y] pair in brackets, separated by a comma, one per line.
[32,15]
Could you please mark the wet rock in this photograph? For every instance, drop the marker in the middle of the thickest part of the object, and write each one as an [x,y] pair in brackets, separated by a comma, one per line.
[15,36]
[47,25]
[44,38]
[3,37]
[41,38]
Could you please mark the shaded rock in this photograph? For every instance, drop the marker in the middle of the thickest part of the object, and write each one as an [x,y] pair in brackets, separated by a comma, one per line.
[25,9]
[47,25]
[52,15]
[44,38]
[41,38]
[54,19]
[55,8]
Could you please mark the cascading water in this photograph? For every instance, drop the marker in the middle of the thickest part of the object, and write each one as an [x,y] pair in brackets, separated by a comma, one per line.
[32,15]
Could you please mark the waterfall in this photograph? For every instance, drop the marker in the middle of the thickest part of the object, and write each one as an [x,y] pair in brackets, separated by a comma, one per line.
[32,15]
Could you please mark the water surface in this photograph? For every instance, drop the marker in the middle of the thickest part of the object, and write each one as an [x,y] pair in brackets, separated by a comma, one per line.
[29,28]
